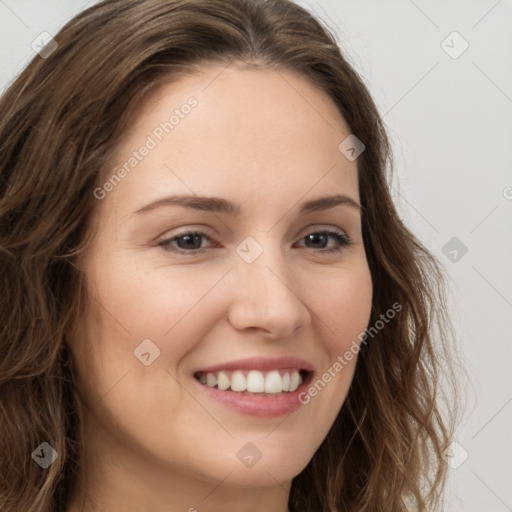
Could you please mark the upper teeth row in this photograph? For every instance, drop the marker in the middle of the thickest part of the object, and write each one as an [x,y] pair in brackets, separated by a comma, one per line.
[253,381]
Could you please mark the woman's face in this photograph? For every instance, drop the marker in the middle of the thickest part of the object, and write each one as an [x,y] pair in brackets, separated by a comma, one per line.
[263,297]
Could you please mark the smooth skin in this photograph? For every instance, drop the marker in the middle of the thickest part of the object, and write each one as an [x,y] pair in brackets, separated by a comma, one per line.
[266,140]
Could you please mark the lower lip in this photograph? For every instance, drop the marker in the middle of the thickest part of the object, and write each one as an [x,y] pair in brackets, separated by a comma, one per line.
[259,406]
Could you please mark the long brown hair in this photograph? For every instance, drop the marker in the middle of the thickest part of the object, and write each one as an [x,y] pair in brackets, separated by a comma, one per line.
[59,122]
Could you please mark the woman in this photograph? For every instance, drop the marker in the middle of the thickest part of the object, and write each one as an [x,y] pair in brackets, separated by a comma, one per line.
[210,302]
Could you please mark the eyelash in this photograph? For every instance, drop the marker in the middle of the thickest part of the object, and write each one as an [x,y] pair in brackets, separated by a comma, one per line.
[343,240]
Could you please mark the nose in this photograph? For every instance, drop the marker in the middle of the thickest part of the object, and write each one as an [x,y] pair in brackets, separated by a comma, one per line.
[266,298]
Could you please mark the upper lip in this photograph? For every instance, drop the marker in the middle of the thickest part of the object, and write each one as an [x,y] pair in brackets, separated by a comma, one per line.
[261,363]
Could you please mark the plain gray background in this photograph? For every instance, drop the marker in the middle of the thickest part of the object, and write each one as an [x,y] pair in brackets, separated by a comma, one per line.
[449,114]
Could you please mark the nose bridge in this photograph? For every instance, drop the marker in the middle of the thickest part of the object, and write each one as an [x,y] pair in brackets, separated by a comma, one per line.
[265,295]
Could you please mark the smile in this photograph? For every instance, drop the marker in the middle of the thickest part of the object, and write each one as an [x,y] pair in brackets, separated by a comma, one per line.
[250,382]
[261,387]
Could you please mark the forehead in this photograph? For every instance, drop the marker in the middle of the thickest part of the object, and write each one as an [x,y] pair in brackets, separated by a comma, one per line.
[232,128]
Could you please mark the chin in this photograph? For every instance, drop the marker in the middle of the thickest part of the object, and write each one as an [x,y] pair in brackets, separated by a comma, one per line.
[260,462]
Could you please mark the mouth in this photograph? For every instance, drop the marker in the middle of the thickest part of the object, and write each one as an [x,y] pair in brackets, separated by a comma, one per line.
[257,386]
[254,382]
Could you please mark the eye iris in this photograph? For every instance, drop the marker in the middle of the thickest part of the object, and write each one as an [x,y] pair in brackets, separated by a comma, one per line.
[193,241]
[315,237]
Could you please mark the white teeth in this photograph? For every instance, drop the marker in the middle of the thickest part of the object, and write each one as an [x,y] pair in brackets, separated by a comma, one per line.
[238,382]
[211,380]
[286,382]
[223,381]
[295,381]
[254,381]
[273,382]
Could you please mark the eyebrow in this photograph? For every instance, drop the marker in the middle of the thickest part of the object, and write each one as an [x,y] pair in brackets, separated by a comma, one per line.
[220,205]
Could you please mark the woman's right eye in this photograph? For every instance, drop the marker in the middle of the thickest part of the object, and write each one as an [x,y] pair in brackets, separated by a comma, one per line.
[188,242]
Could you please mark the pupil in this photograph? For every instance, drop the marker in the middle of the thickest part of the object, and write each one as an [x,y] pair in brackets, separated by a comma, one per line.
[315,238]
[190,238]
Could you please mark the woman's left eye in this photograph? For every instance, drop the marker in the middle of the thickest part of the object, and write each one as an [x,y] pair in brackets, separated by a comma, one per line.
[323,236]
[190,242]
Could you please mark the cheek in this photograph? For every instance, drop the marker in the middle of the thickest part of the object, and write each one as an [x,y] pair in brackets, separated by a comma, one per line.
[163,312]
[127,305]
[344,308]
[343,304]
[147,301]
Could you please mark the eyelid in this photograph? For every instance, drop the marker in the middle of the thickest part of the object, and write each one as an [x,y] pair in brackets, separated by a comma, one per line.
[315,227]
